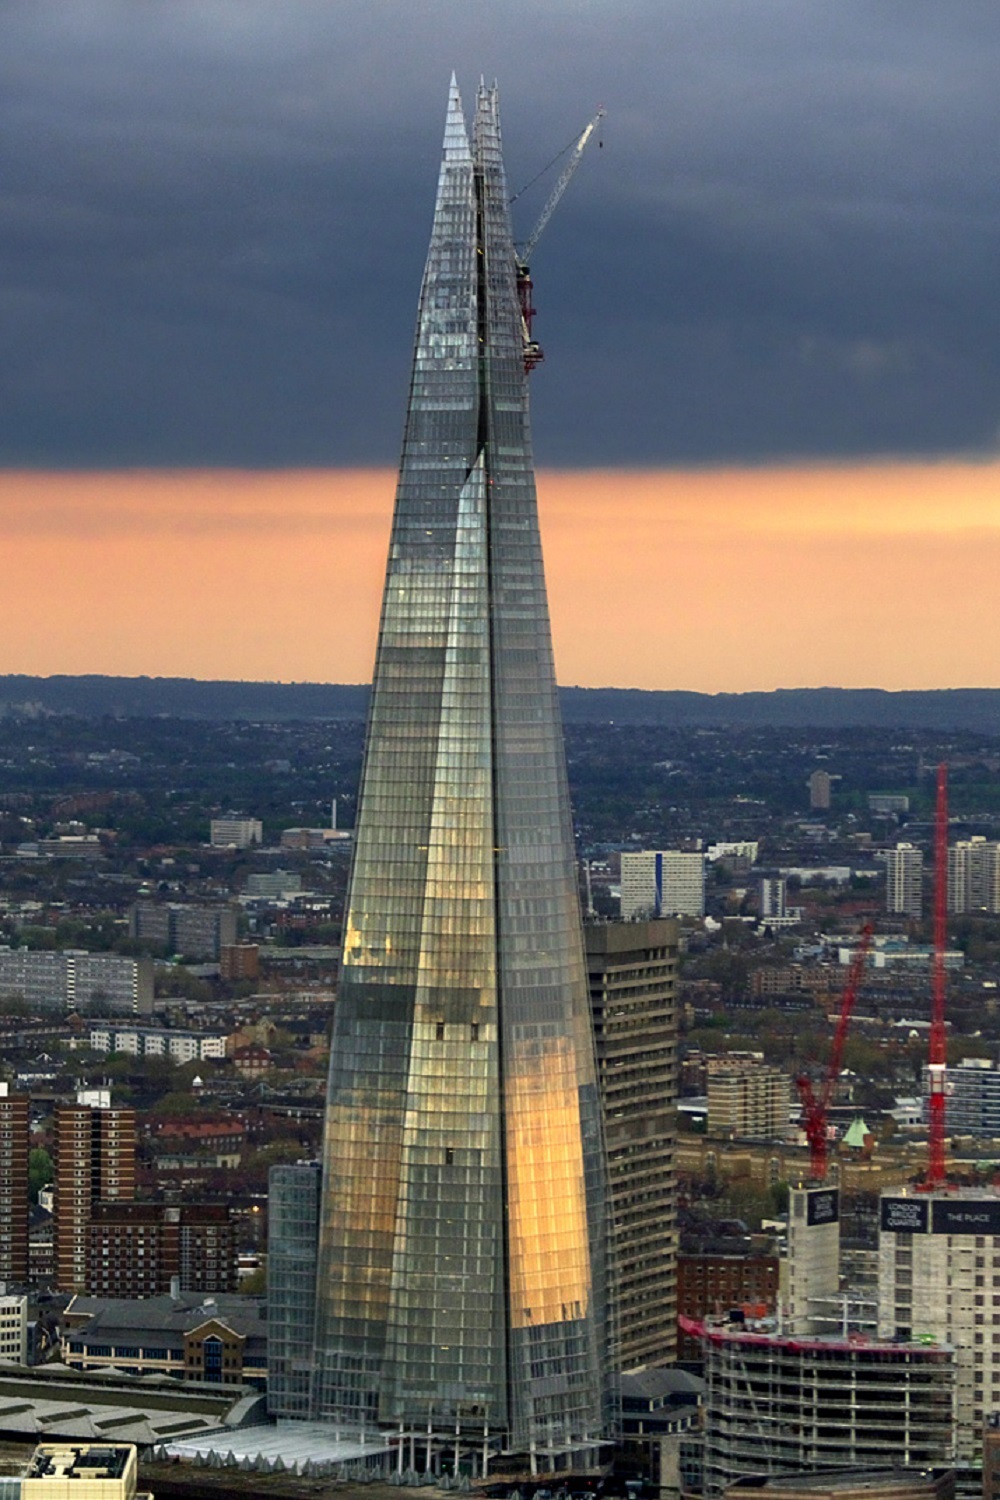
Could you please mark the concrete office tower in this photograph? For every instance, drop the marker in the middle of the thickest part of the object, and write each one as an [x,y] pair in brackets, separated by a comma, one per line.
[14,1135]
[813,1259]
[904,881]
[94,1162]
[462,1228]
[633,997]
[939,1278]
[663,883]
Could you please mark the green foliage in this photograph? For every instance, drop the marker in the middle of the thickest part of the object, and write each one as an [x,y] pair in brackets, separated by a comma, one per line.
[40,1171]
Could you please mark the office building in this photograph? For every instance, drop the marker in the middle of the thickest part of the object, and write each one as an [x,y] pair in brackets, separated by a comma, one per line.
[94,1163]
[633,997]
[195,932]
[235,832]
[72,980]
[13,1330]
[14,1146]
[722,1275]
[88,1471]
[778,1404]
[462,1275]
[219,1340]
[662,883]
[747,1097]
[974,876]
[904,881]
[292,1229]
[939,1278]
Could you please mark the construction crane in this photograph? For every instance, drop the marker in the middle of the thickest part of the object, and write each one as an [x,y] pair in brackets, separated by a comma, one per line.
[938,1057]
[532,349]
[814,1111]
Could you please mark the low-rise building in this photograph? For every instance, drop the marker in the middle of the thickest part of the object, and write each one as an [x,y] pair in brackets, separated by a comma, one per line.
[154,1041]
[14,1330]
[220,1339]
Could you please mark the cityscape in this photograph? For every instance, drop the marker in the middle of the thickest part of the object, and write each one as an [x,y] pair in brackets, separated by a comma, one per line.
[460,1080]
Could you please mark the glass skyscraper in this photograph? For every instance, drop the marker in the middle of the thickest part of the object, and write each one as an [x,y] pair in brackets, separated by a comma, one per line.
[462,1225]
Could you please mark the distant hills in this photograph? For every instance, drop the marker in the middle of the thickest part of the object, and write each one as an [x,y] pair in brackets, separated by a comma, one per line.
[819,708]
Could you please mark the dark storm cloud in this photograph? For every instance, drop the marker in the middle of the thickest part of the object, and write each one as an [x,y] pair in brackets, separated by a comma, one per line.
[214,218]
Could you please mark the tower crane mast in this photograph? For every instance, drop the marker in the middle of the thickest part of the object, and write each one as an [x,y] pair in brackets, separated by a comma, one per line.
[532,349]
[937,1060]
[814,1111]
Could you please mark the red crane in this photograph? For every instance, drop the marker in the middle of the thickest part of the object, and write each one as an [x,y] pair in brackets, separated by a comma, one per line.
[938,1051]
[814,1111]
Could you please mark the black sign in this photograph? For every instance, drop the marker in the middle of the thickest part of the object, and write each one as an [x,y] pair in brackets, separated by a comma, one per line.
[904,1215]
[823,1206]
[966,1216]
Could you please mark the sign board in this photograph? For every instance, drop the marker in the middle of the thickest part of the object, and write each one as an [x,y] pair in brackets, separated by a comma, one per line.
[904,1215]
[966,1216]
[823,1206]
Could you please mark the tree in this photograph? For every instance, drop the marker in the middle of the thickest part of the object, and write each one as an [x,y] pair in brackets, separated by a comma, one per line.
[40,1171]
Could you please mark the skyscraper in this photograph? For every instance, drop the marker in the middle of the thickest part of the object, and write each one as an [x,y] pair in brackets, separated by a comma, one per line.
[461,1248]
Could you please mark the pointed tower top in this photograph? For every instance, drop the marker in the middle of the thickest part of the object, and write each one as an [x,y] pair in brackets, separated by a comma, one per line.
[456,137]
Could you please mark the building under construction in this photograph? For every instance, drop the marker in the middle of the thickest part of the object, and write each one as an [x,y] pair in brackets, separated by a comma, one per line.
[776,1404]
[939,1278]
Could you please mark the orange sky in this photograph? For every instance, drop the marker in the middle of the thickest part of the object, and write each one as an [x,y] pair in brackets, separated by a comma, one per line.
[724,580]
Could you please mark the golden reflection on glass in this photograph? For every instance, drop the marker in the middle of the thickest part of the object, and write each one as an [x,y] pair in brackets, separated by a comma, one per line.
[549,1247]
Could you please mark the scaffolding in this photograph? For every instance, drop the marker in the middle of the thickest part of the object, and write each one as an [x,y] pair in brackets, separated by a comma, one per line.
[777,1405]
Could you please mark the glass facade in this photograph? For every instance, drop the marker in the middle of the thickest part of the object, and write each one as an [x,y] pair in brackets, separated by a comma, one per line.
[461,1252]
[293,1221]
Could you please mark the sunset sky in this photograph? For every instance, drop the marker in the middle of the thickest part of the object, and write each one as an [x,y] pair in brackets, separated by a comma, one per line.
[767,422]
[728,580]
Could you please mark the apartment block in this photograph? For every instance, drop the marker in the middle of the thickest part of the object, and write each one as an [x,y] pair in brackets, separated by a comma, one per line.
[77,981]
[747,1097]
[197,932]
[14,1139]
[632,969]
[152,1041]
[939,1278]
[904,881]
[974,876]
[140,1249]
[94,1163]
[662,883]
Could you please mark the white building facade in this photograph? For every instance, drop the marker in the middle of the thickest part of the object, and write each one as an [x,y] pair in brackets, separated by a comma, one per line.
[662,883]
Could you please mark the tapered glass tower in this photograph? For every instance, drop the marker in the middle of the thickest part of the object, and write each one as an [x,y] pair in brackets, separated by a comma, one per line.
[461,1256]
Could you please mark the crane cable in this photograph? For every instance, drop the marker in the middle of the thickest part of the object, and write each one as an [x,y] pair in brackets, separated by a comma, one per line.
[548,168]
